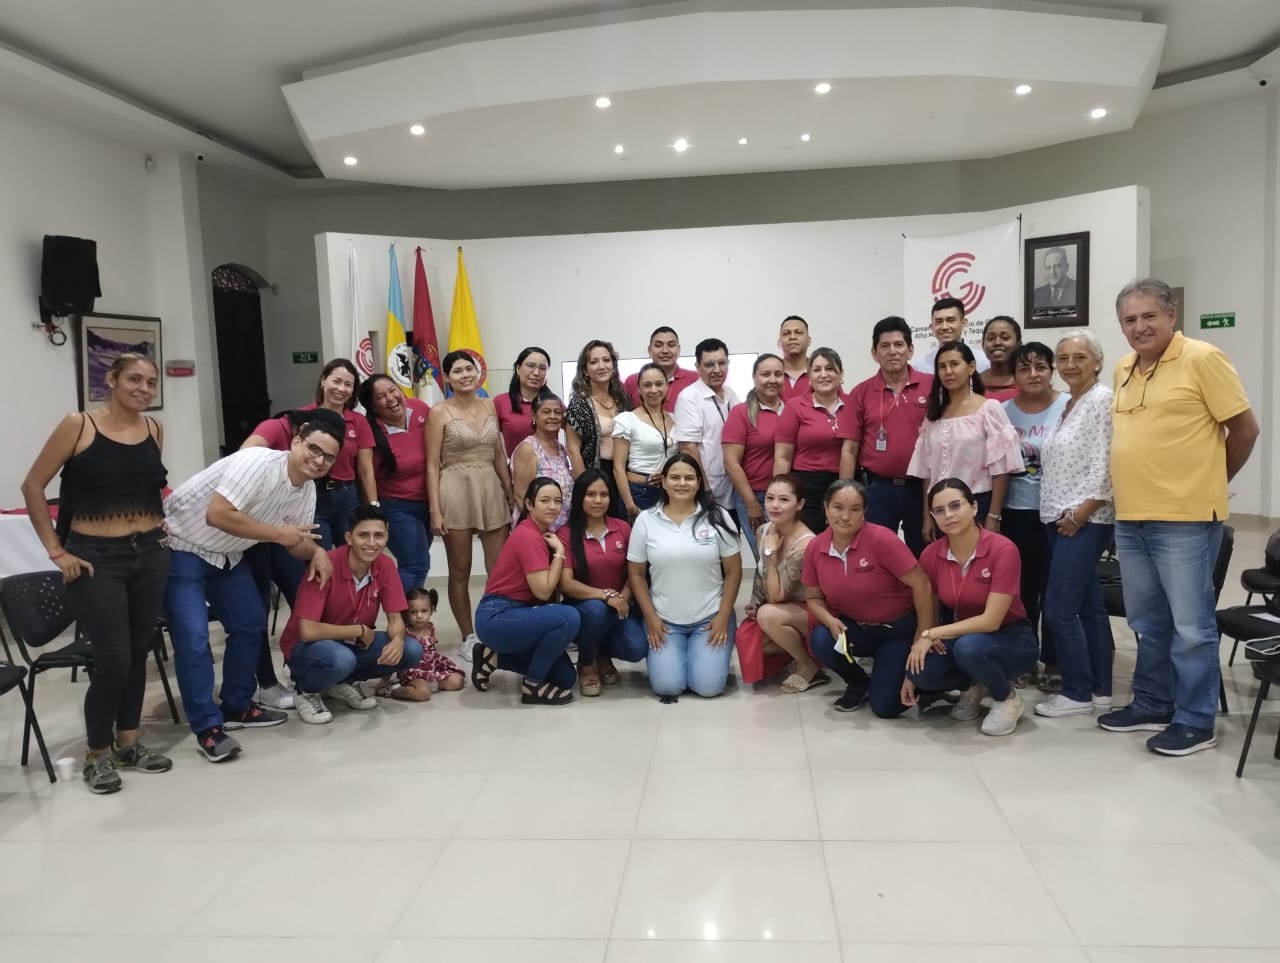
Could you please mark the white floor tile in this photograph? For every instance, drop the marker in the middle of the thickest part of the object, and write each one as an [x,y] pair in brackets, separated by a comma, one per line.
[555,805]
[704,951]
[984,893]
[526,889]
[45,948]
[915,952]
[907,804]
[490,951]
[724,890]
[1169,954]
[278,949]
[1158,894]
[745,804]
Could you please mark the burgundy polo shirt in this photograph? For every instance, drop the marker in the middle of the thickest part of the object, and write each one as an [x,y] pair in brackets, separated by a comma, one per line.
[607,562]
[873,406]
[814,432]
[865,583]
[339,602]
[756,440]
[995,567]
[409,481]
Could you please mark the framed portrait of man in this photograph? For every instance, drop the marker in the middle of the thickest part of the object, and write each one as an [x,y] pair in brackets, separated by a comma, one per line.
[1056,281]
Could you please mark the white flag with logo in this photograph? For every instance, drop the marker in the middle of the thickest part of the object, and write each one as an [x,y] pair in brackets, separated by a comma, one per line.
[361,346]
[978,267]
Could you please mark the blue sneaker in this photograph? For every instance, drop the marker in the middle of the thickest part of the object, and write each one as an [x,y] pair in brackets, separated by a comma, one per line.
[1180,740]
[1128,720]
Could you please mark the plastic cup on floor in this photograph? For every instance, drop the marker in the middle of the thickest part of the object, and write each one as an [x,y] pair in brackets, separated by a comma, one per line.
[67,768]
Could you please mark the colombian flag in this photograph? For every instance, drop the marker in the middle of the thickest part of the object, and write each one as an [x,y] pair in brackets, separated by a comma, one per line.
[464,332]
[399,353]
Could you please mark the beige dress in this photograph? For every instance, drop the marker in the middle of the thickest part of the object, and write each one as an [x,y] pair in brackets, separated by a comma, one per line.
[470,493]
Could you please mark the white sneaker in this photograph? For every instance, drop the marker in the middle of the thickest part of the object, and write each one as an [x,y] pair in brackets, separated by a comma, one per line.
[1003,717]
[277,697]
[464,649]
[311,708]
[1059,705]
[1102,703]
[966,710]
[350,696]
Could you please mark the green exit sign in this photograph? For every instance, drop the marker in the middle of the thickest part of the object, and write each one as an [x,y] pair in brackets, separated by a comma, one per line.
[1227,320]
[306,357]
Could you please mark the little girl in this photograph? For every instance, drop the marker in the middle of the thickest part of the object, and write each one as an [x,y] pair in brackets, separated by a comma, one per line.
[435,670]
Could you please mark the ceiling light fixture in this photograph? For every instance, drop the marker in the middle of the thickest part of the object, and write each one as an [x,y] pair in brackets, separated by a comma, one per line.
[742,142]
[417,130]
[805,138]
[1022,89]
[350,161]
[617,148]
[822,88]
[603,102]
[1098,113]
[681,145]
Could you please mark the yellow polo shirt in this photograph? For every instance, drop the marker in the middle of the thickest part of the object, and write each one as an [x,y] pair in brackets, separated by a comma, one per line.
[1168,447]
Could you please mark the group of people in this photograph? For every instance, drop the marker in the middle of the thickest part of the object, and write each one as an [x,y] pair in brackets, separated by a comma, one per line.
[944,523]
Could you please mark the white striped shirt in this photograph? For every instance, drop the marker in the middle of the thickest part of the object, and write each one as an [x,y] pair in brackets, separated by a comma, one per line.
[256,482]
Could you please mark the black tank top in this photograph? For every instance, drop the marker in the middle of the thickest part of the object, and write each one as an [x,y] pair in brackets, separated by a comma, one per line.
[110,479]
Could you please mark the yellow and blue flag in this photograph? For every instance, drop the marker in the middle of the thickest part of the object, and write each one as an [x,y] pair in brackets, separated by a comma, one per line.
[400,358]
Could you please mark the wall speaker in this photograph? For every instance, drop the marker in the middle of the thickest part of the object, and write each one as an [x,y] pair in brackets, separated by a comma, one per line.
[68,276]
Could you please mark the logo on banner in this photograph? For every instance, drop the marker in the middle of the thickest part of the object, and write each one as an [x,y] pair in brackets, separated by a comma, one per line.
[950,280]
[400,365]
[364,358]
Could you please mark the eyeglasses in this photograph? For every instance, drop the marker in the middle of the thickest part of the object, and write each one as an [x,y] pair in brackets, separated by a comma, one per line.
[951,508]
[319,454]
[539,368]
[1142,399]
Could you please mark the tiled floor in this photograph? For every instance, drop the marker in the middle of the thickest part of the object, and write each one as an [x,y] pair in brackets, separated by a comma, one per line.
[755,828]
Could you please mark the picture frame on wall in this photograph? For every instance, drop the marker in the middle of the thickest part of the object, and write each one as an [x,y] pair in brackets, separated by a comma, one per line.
[103,338]
[1055,282]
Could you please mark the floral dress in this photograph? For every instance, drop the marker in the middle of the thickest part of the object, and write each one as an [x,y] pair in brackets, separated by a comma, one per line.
[434,667]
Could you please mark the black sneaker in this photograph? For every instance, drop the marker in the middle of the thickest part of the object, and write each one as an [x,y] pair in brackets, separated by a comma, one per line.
[853,699]
[1127,720]
[100,774]
[1180,740]
[216,746]
[254,717]
[139,758]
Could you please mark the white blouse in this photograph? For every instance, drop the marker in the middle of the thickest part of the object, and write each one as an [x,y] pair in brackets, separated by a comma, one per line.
[649,449]
[1075,463]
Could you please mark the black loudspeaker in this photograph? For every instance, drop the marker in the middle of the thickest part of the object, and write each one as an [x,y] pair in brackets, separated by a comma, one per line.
[68,276]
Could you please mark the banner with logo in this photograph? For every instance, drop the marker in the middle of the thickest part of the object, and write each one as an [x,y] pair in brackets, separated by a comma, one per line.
[361,345]
[978,267]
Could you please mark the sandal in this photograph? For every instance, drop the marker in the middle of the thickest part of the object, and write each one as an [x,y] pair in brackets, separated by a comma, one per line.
[588,680]
[544,694]
[796,683]
[608,671]
[484,663]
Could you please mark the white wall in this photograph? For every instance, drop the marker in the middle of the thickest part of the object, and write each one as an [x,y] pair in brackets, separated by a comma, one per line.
[57,180]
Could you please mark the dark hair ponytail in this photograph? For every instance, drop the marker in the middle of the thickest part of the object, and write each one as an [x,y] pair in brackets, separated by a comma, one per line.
[513,390]
[380,440]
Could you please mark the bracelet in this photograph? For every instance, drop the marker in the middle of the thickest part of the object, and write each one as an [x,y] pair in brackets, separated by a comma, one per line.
[57,555]
[998,518]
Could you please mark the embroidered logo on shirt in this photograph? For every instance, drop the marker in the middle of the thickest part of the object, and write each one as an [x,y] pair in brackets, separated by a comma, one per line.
[618,545]
[351,432]
[863,563]
[986,573]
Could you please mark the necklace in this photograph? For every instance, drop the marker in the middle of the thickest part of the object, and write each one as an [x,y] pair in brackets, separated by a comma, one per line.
[661,430]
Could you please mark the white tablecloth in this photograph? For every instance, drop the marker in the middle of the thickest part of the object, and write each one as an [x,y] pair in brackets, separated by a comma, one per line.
[20,550]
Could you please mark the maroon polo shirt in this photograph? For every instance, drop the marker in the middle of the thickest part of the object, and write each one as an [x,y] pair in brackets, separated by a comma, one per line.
[607,563]
[756,440]
[866,583]
[524,551]
[995,567]
[814,432]
[339,602]
[409,481]
[873,405]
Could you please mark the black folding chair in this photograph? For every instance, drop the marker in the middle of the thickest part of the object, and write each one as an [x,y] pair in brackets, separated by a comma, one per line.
[12,677]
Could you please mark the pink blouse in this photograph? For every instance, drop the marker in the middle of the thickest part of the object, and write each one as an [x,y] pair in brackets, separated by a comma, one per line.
[973,448]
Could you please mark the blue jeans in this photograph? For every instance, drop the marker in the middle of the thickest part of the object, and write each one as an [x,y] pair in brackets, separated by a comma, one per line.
[530,639]
[194,587]
[602,632]
[990,659]
[333,513]
[687,660]
[409,539]
[744,522]
[644,496]
[892,505]
[888,644]
[272,564]
[1166,569]
[1075,613]
[317,665]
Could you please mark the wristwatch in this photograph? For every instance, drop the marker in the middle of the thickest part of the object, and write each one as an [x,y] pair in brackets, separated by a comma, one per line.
[767,552]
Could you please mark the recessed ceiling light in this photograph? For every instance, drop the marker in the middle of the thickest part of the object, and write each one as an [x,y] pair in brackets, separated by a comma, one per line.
[350,161]
[1098,113]
[1022,89]
[617,148]
[681,145]
[742,142]
[805,138]
[822,88]
[417,130]
[603,102]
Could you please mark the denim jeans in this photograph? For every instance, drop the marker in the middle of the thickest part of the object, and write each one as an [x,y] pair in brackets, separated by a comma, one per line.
[118,607]
[1075,612]
[687,660]
[273,565]
[409,539]
[602,632]
[888,644]
[644,496]
[1166,569]
[744,522]
[990,659]
[533,637]
[333,513]
[194,587]
[1023,527]
[317,665]
[892,505]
